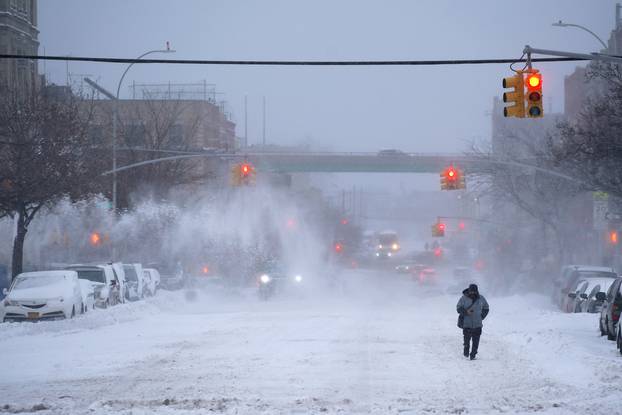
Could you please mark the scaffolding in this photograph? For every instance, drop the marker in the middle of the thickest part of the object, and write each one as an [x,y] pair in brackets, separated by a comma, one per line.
[201,91]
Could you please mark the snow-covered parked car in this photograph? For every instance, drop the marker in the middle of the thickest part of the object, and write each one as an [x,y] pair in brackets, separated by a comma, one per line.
[43,295]
[87,290]
[134,279]
[119,271]
[572,274]
[104,280]
[152,281]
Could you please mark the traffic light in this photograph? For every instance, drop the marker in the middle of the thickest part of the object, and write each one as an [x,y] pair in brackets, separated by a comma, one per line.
[338,248]
[452,178]
[516,97]
[534,95]
[613,237]
[461,226]
[438,229]
[242,174]
[95,239]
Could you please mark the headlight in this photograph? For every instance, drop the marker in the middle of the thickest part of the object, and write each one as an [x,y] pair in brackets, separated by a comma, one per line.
[10,303]
[389,254]
[298,278]
[377,253]
[380,246]
[264,278]
[395,247]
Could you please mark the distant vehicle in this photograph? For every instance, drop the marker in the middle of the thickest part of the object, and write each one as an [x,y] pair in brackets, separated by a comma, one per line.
[610,313]
[88,295]
[43,295]
[409,267]
[391,152]
[387,244]
[276,280]
[152,279]
[105,283]
[572,274]
[593,298]
[134,281]
[426,276]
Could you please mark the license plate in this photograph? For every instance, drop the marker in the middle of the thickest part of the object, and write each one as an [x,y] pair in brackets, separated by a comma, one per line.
[33,315]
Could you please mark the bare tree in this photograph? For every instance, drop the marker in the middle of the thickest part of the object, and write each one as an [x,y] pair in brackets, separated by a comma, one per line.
[44,156]
[153,128]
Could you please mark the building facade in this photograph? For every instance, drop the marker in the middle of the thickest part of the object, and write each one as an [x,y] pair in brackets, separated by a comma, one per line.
[19,35]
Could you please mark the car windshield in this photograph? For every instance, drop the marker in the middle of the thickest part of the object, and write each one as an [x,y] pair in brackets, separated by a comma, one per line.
[130,273]
[387,239]
[37,281]
[597,274]
[94,275]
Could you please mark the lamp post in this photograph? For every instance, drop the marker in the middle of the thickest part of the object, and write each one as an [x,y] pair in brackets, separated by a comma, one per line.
[114,122]
[562,24]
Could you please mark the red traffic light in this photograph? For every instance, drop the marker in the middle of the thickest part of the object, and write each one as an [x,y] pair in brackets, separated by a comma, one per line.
[451,174]
[534,81]
[338,247]
[205,270]
[461,225]
[344,221]
[246,169]
[441,226]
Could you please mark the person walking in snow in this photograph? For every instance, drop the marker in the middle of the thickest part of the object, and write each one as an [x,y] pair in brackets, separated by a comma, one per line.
[473,309]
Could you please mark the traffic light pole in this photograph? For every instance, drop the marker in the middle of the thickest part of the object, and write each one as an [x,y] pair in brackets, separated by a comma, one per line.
[589,56]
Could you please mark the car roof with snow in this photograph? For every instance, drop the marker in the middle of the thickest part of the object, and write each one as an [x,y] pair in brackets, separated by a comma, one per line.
[592,268]
[54,273]
[603,282]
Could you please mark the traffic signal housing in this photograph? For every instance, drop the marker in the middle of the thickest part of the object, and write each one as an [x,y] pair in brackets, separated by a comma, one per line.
[242,174]
[452,178]
[516,97]
[438,229]
[534,95]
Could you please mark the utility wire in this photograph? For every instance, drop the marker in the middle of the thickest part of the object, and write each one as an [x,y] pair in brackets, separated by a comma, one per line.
[287,63]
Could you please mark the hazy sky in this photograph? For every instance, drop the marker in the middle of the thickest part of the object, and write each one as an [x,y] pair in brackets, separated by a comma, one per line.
[358,109]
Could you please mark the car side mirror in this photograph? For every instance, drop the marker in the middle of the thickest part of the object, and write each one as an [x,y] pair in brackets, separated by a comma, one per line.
[584,296]
[5,291]
[572,295]
[601,296]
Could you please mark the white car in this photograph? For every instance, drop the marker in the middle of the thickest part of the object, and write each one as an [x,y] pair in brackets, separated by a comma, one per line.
[134,279]
[43,295]
[88,295]
[120,273]
[152,280]
[104,280]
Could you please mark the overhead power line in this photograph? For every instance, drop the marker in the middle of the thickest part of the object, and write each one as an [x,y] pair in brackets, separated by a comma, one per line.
[287,62]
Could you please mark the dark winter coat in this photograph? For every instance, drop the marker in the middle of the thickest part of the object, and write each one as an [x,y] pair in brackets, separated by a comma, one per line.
[479,310]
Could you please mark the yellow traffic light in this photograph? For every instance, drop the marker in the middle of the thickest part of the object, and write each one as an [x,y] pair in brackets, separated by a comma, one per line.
[534,95]
[516,97]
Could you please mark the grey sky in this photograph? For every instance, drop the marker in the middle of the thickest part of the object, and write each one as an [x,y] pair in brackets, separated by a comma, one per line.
[359,109]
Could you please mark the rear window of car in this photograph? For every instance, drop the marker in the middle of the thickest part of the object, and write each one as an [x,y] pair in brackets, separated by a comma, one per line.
[95,275]
[130,273]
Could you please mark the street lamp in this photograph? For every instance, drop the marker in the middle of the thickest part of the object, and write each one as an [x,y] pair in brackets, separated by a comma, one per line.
[114,123]
[562,24]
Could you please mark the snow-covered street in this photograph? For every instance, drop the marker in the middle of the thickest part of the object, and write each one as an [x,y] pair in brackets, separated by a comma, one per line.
[382,346]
